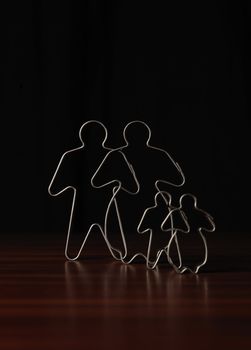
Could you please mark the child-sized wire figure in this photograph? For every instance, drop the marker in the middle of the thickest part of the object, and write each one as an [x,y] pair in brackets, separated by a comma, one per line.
[151,222]
[198,221]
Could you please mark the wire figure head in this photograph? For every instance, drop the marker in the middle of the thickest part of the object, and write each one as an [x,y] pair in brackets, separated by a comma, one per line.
[93,131]
[137,131]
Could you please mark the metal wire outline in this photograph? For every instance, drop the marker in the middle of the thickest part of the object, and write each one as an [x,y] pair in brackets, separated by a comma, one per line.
[181,269]
[117,187]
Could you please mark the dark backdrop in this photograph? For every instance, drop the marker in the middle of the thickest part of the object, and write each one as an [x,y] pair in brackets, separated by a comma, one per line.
[183,68]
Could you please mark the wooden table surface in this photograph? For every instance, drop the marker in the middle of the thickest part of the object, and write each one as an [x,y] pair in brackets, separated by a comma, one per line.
[98,303]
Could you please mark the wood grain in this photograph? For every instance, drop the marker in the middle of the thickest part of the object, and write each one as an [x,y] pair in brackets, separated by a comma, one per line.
[98,303]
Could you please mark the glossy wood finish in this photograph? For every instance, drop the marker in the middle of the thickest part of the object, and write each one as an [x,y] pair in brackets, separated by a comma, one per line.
[97,303]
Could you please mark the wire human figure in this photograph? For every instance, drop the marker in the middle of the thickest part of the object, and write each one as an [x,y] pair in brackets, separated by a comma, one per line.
[152,166]
[151,223]
[202,221]
[92,213]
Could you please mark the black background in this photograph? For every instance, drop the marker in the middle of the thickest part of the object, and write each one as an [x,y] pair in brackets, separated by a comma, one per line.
[184,68]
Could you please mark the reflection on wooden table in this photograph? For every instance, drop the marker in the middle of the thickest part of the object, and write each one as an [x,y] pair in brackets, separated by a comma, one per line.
[47,302]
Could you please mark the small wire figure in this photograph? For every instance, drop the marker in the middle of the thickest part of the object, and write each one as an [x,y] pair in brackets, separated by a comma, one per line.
[208,226]
[162,206]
